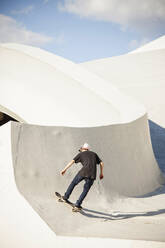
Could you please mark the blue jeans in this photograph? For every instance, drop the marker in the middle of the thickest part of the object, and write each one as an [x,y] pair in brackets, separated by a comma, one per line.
[77,179]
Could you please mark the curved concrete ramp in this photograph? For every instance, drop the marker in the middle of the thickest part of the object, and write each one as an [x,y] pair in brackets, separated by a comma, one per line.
[141,76]
[20,225]
[54,85]
[39,154]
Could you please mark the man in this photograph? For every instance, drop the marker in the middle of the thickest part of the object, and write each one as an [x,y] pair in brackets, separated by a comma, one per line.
[89,161]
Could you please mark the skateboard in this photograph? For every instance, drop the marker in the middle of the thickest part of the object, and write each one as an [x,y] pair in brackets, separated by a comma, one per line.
[58,195]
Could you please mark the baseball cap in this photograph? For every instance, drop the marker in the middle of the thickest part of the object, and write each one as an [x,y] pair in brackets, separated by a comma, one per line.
[85,146]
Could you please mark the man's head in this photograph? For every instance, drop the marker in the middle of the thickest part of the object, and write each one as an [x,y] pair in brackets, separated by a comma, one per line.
[84,147]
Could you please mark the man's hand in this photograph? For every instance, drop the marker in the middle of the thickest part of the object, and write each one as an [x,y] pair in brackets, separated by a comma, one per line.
[68,165]
[101,170]
[101,176]
[63,172]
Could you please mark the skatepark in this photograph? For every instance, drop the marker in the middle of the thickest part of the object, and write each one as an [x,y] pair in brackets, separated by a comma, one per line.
[123,124]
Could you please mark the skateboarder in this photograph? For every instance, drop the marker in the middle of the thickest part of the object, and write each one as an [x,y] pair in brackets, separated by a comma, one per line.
[89,160]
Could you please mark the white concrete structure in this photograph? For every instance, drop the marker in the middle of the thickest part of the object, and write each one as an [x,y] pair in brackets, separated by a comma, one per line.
[74,106]
[20,225]
[141,76]
[46,71]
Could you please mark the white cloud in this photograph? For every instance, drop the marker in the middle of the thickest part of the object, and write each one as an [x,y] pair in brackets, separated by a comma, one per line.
[12,31]
[144,16]
[24,11]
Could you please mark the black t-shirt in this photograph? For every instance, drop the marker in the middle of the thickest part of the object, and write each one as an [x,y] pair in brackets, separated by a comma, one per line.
[89,161]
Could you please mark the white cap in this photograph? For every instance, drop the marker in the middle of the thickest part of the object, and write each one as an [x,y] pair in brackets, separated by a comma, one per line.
[85,146]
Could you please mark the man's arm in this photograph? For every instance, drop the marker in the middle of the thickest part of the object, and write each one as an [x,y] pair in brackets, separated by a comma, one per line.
[101,170]
[68,166]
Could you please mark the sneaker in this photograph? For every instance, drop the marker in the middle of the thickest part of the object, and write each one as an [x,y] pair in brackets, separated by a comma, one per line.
[76,208]
[64,200]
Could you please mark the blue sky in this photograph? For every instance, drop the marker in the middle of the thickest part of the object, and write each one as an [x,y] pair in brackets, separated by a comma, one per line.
[82,30]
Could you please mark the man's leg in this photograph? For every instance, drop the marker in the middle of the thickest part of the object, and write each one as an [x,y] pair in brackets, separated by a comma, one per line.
[77,179]
[88,183]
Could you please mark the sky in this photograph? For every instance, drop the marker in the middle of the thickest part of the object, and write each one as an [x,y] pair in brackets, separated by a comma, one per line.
[82,30]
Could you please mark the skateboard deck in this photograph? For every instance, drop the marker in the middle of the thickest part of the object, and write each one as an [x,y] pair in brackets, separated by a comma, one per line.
[58,195]
[60,200]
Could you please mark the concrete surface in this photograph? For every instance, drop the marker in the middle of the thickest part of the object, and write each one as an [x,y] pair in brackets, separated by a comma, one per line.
[141,76]
[39,154]
[21,226]
[43,79]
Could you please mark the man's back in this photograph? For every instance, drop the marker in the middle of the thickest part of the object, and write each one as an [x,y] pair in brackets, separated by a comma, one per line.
[89,160]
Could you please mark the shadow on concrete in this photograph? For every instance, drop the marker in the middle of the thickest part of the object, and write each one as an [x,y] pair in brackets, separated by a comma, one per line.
[118,215]
[158,191]
[4,118]
[158,143]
